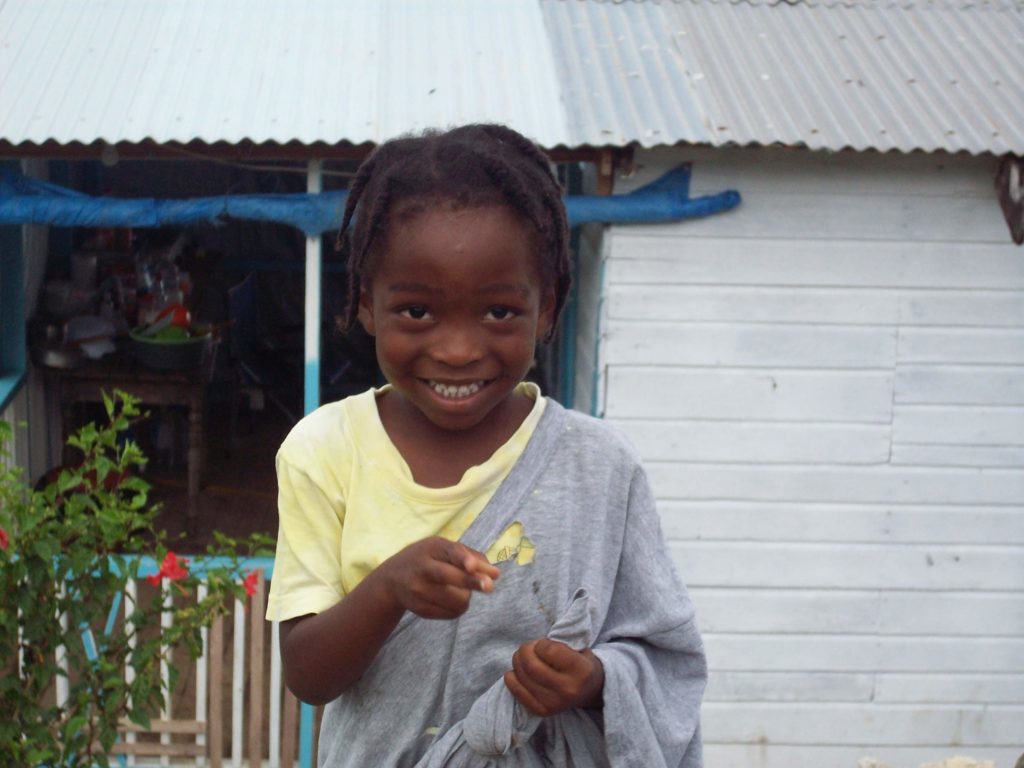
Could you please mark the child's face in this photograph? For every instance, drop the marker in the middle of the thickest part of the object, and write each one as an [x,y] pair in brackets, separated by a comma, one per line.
[457,307]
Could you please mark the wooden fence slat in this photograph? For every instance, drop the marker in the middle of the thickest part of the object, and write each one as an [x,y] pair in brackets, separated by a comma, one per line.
[131,599]
[201,677]
[256,609]
[237,684]
[289,729]
[165,726]
[216,720]
[150,749]
[166,619]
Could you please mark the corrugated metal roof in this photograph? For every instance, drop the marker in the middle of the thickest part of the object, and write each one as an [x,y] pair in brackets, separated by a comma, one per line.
[827,74]
[271,70]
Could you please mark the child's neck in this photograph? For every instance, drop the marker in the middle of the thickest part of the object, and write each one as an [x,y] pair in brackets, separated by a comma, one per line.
[437,457]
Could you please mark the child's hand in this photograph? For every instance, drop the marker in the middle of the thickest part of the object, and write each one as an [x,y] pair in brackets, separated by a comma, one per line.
[435,577]
[549,677]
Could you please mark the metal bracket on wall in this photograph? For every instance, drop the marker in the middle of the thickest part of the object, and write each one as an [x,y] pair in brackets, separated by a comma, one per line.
[1010,190]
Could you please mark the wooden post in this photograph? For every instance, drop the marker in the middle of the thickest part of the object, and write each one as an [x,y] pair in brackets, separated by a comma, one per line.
[606,172]
[289,724]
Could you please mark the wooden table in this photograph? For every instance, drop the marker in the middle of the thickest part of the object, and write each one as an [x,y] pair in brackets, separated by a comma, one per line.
[185,388]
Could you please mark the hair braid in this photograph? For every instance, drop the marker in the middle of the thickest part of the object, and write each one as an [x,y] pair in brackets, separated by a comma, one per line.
[473,165]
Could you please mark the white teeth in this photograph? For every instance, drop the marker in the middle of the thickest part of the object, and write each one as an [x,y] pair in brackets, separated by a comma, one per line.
[455,392]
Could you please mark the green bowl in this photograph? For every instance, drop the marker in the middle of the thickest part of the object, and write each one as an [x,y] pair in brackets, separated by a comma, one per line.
[170,354]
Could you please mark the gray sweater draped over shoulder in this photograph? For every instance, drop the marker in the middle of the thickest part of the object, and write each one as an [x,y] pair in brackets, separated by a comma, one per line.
[600,576]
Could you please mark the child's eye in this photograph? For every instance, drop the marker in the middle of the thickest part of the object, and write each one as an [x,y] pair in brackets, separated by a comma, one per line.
[414,313]
[501,313]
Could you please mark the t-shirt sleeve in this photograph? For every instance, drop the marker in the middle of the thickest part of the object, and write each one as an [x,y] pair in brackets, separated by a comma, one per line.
[307,564]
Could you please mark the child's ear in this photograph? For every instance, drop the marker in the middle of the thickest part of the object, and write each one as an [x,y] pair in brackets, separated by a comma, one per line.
[546,319]
[366,310]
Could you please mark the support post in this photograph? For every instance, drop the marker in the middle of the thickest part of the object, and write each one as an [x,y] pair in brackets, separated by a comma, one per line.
[314,185]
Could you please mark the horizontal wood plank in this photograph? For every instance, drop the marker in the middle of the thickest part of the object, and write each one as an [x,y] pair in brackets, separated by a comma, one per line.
[879,611]
[165,726]
[848,484]
[841,216]
[953,613]
[767,395]
[982,346]
[766,755]
[967,385]
[841,523]
[958,455]
[770,169]
[950,689]
[788,686]
[749,345]
[766,442]
[815,611]
[860,566]
[852,724]
[152,749]
[862,653]
[958,425]
[827,263]
[847,305]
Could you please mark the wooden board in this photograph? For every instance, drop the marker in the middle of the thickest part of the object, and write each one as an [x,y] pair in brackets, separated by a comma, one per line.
[842,523]
[689,440]
[759,394]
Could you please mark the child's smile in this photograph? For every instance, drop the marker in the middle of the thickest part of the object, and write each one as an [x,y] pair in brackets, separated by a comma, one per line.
[456,306]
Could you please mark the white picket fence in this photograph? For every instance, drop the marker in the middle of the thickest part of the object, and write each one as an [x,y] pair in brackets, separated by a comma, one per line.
[242,713]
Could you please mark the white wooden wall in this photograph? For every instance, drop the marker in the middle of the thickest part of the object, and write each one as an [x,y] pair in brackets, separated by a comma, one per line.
[827,386]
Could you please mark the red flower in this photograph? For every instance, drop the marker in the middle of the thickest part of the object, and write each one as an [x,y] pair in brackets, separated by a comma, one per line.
[171,568]
[250,582]
[4,541]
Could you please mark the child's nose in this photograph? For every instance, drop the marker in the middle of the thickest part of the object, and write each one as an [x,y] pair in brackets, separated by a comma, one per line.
[458,347]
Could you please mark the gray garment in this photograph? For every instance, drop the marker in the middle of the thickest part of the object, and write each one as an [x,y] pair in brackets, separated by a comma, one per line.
[497,730]
[583,501]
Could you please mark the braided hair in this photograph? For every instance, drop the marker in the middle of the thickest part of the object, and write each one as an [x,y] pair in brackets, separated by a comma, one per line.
[466,167]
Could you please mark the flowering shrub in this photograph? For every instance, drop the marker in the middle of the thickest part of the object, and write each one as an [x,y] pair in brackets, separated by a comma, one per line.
[66,555]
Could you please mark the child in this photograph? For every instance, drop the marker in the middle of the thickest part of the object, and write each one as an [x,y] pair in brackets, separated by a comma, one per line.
[458,477]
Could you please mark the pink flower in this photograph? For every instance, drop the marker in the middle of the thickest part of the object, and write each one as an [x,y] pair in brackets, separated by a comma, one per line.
[171,568]
[249,583]
[5,542]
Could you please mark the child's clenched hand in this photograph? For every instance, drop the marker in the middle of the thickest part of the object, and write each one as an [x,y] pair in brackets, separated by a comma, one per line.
[435,577]
[548,677]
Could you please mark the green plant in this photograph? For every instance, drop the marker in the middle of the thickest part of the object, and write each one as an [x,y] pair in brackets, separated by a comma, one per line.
[67,553]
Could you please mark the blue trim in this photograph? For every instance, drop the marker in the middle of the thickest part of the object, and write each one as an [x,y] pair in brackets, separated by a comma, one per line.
[24,200]
[13,362]
[595,375]
[10,383]
[567,365]
[306,736]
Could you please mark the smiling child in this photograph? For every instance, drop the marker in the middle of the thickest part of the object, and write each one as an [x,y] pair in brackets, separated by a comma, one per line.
[466,572]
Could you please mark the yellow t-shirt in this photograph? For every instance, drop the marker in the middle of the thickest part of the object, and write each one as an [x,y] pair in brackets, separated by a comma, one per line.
[347,501]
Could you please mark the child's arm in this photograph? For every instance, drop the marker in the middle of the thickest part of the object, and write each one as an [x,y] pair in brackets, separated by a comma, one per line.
[325,654]
[548,677]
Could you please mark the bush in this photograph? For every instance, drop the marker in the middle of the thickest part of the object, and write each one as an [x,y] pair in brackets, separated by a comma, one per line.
[66,554]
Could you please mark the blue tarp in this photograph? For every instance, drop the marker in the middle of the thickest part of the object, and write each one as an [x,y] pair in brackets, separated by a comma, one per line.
[29,201]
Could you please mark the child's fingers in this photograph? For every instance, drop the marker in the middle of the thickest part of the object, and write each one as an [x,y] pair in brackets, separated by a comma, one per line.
[445,603]
[558,656]
[533,672]
[474,565]
[477,563]
[523,695]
